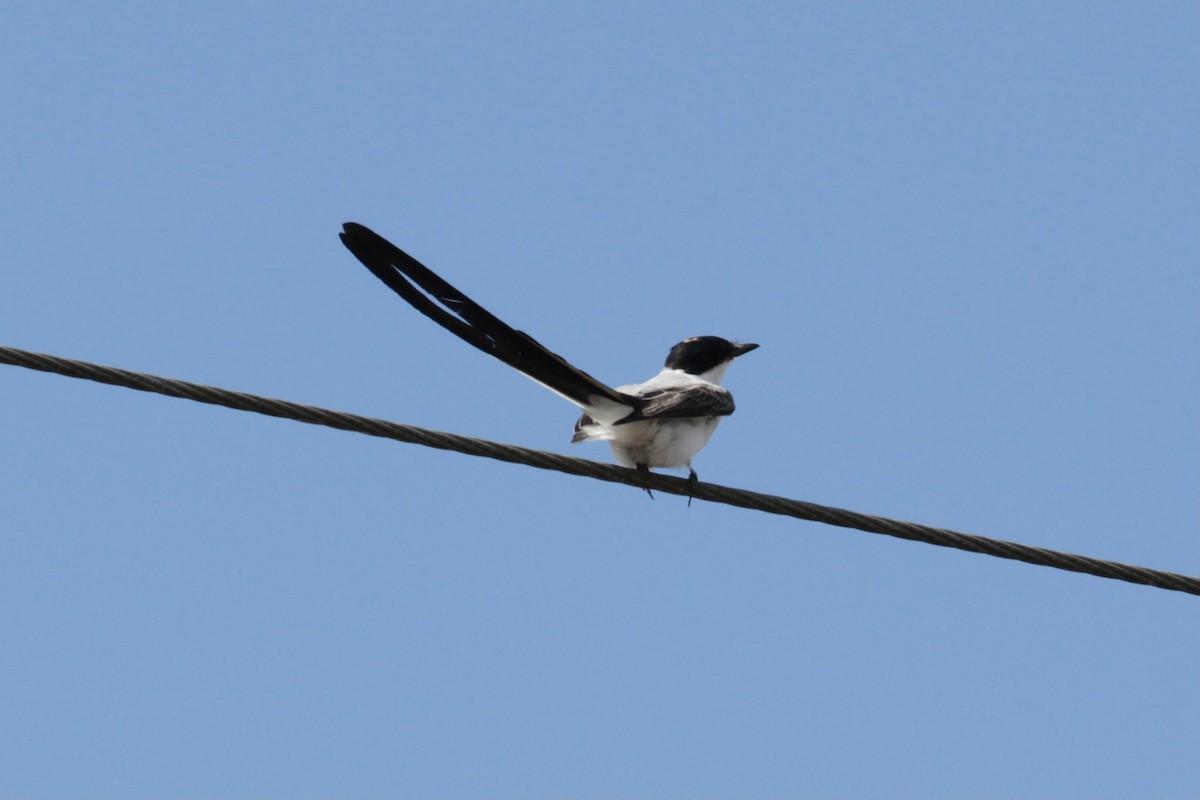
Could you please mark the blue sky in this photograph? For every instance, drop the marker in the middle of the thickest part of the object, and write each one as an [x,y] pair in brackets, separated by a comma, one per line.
[966,236]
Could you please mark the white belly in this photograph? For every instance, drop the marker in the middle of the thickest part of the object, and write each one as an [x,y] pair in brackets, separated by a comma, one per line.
[661,443]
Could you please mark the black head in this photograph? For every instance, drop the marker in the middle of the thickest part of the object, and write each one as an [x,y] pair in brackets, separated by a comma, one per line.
[699,354]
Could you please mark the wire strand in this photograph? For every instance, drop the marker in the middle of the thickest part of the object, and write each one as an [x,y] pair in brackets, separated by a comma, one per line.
[605,472]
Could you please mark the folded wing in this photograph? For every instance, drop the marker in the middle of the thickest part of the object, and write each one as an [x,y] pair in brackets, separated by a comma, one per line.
[699,400]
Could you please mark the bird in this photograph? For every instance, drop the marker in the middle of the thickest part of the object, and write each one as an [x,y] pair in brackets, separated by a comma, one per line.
[659,423]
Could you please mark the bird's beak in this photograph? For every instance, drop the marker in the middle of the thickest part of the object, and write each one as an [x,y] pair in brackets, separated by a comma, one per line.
[742,349]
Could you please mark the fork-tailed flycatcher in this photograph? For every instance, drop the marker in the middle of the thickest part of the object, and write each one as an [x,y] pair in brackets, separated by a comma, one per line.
[663,422]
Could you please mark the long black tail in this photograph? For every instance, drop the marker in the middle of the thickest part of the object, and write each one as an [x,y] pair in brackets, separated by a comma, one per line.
[470,322]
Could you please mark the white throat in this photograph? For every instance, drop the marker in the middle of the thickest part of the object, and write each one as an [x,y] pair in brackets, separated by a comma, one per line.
[716,374]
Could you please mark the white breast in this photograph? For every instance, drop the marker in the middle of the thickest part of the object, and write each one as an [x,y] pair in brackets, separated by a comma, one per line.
[661,443]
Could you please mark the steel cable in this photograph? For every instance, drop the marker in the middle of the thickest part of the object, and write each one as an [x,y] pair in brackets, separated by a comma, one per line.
[606,472]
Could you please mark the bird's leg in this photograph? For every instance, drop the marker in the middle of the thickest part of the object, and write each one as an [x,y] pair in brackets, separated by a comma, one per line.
[645,469]
[692,478]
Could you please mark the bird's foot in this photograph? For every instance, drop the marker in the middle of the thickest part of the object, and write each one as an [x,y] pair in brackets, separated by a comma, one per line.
[692,478]
[645,469]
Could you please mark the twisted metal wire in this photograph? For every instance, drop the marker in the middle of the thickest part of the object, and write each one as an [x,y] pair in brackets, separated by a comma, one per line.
[605,472]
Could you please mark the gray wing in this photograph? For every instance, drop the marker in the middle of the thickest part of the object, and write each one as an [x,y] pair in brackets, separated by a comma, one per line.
[700,400]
